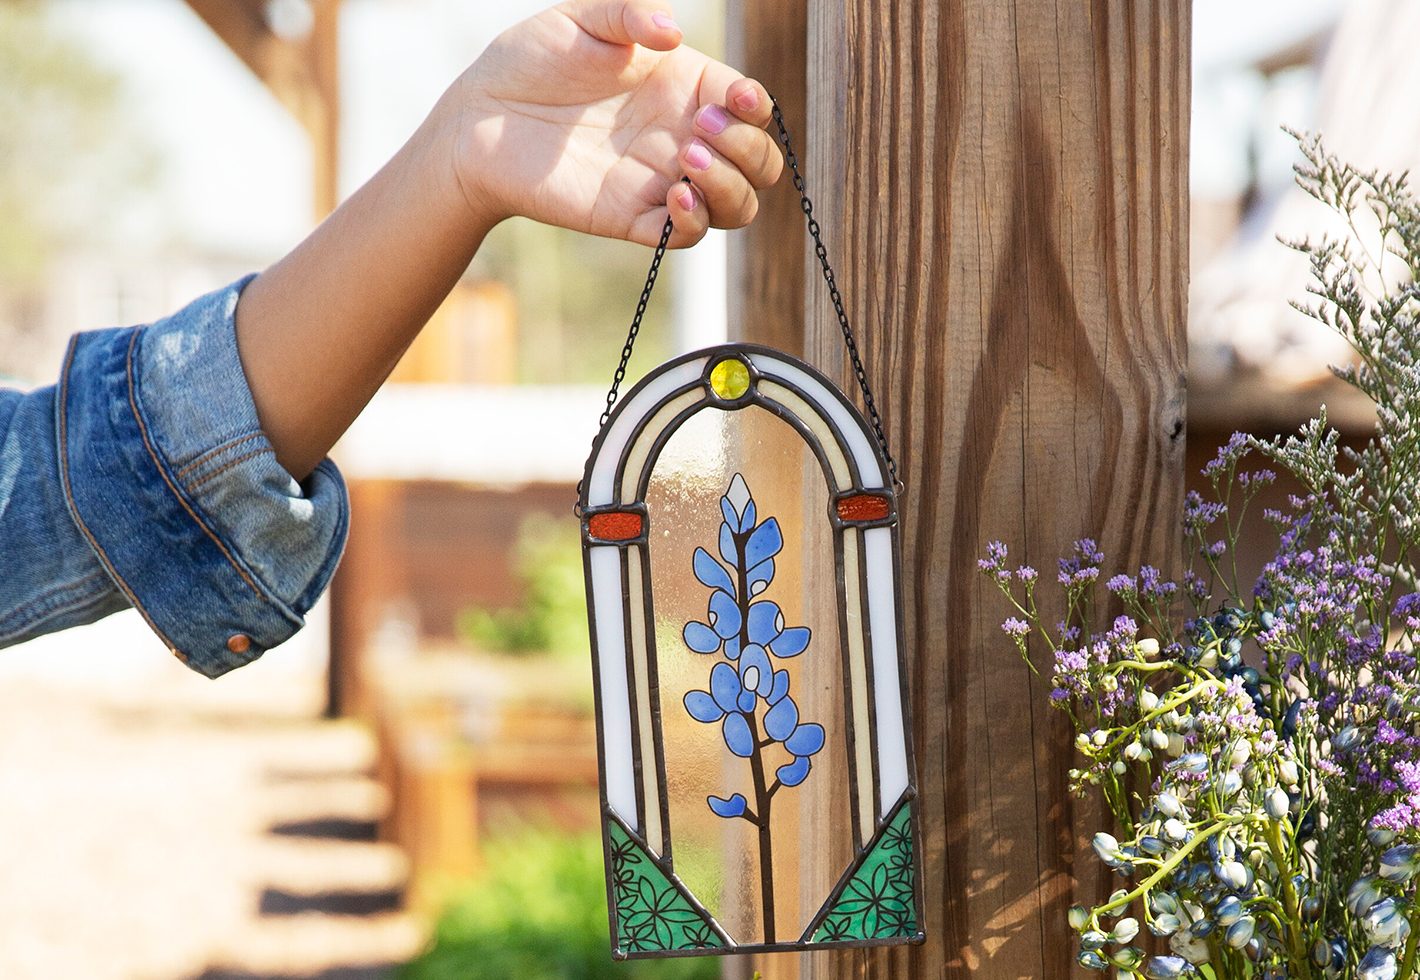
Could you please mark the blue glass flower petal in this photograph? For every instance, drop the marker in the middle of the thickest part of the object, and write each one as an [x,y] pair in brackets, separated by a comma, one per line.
[806,740]
[795,772]
[765,542]
[700,638]
[728,510]
[760,576]
[702,707]
[792,642]
[747,521]
[724,614]
[733,807]
[781,720]
[756,672]
[747,701]
[725,686]
[728,551]
[781,686]
[711,572]
[732,647]
[766,621]
[737,735]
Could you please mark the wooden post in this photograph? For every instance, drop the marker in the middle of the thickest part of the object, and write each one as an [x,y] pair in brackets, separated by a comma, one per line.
[1003,189]
[766,272]
[302,72]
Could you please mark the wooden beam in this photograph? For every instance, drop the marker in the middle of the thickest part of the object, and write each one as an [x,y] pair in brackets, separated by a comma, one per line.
[768,259]
[1003,189]
[301,73]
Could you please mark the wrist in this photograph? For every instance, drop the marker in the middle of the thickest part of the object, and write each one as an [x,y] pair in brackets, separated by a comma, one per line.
[462,131]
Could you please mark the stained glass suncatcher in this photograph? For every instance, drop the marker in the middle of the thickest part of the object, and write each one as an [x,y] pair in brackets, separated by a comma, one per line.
[740,537]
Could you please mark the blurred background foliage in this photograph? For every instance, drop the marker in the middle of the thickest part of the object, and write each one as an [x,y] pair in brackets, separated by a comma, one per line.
[539,913]
[66,156]
[553,616]
[575,298]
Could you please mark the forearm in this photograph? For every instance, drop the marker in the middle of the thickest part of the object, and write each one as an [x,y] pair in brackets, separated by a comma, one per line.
[320,330]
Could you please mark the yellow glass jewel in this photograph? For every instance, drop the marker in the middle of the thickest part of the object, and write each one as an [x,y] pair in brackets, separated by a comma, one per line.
[729,379]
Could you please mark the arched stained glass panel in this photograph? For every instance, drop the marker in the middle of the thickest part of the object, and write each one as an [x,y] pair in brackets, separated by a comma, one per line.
[753,731]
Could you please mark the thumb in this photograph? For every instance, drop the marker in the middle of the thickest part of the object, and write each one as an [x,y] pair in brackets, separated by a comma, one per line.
[644,22]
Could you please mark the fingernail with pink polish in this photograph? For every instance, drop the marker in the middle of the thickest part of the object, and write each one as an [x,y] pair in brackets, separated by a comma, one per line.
[713,119]
[686,199]
[698,156]
[665,22]
[747,101]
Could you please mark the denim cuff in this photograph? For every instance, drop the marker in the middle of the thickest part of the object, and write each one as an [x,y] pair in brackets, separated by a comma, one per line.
[168,475]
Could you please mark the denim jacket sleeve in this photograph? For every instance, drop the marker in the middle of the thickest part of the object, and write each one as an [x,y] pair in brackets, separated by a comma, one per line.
[143,478]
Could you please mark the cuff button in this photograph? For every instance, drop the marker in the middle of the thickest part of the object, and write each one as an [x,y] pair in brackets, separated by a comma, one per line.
[239,643]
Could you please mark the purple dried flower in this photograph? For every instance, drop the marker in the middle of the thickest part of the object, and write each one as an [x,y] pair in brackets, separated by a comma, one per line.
[1016,627]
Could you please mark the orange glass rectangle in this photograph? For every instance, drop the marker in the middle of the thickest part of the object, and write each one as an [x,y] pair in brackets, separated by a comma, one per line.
[864,507]
[615,526]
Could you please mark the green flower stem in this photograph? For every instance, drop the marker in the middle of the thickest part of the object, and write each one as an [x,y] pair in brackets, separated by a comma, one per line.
[1407,963]
[1167,867]
[1291,902]
[1164,708]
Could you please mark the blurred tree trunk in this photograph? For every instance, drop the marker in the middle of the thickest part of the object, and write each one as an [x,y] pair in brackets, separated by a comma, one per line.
[1004,194]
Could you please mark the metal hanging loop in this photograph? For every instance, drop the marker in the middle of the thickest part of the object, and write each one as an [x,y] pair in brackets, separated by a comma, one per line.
[849,342]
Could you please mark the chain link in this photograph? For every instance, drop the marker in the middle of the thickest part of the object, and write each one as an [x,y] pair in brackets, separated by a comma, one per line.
[808,208]
[636,320]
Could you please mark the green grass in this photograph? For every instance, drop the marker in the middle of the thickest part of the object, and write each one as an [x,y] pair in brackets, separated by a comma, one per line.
[538,913]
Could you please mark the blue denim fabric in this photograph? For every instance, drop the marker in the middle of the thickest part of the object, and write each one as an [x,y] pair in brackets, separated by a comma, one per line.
[143,478]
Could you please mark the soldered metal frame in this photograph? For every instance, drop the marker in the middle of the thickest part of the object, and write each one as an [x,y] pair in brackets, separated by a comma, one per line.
[622,621]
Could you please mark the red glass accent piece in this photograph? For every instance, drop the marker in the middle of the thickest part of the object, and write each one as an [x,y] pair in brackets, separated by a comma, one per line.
[615,526]
[864,507]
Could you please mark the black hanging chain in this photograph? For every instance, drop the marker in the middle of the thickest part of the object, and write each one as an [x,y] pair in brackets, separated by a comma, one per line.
[808,208]
[636,320]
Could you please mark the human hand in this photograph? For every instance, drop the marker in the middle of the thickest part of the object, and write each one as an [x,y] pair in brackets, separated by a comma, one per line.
[587,115]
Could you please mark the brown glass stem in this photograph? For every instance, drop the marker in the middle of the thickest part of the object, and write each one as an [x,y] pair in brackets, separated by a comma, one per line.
[763,795]
[762,800]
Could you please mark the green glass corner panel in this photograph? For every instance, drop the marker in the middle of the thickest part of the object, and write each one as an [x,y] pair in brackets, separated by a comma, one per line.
[879,900]
[652,913]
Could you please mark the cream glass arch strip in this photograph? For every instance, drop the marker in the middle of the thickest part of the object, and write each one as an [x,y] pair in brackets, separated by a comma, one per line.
[599,488]
[858,445]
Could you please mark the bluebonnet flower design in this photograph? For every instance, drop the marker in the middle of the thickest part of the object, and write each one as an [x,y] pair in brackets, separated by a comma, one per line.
[751,634]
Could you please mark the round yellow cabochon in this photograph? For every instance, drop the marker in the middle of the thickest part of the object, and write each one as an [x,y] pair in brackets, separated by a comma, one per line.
[729,379]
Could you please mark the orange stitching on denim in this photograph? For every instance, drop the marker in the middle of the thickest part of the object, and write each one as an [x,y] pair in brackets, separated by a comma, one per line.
[215,452]
[74,507]
[220,470]
[147,444]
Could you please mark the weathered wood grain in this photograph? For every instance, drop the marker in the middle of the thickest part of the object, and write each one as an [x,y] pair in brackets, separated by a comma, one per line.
[767,259]
[1004,191]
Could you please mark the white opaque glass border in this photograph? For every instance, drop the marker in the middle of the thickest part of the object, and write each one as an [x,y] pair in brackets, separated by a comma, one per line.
[853,433]
[887,684]
[862,747]
[600,488]
[612,683]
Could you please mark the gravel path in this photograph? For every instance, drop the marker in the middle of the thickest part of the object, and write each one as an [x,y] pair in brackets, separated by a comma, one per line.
[136,804]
